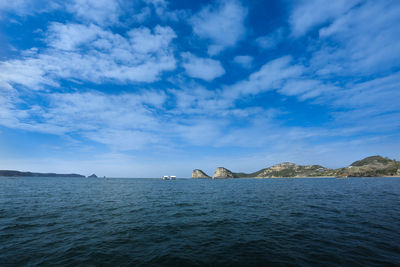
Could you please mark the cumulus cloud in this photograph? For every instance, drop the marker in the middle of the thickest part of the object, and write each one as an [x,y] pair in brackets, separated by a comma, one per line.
[163,12]
[202,68]
[101,12]
[90,53]
[222,24]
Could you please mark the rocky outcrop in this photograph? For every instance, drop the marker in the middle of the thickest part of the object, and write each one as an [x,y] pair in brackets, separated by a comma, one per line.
[199,174]
[222,172]
[92,176]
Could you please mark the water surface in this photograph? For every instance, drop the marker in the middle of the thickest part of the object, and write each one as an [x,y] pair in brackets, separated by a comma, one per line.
[75,221]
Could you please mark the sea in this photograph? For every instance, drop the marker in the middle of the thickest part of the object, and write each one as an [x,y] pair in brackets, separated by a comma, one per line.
[196,222]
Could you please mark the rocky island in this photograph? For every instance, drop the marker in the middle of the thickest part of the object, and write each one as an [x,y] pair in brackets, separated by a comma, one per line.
[374,166]
[199,174]
[9,173]
[222,172]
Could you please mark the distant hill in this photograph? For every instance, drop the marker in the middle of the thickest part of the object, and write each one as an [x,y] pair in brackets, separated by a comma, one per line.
[371,167]
[9,173]
[374,166]
[373,160]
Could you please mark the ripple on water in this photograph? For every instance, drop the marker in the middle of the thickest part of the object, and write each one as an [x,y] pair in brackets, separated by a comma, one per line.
[245,222]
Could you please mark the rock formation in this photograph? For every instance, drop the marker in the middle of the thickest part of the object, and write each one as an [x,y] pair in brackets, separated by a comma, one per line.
[199,174]
[221,172]
[92,176]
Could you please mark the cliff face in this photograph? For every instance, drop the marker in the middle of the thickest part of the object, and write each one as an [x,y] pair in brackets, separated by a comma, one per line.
[221,172]
[199,174]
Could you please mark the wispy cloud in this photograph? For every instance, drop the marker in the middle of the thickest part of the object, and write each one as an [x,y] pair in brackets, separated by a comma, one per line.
[365,41]
[222,24]
[310,13]
[270,40]
[28,7]
[270,76]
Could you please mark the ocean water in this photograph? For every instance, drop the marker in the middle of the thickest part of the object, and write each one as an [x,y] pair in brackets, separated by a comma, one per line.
[248,222]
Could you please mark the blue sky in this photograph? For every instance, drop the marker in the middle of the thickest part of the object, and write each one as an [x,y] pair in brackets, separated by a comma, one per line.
[150,88]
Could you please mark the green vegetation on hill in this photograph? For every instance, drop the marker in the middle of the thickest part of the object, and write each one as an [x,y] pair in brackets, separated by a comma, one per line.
[372,160]
[374,166]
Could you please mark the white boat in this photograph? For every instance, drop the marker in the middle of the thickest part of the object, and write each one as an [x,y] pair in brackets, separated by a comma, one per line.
[173,177]
[165,177]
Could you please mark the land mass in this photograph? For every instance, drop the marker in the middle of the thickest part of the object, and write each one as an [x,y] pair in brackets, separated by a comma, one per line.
[10,173]
[374,166]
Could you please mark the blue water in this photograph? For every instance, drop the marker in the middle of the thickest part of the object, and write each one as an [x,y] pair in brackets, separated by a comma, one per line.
[75,221]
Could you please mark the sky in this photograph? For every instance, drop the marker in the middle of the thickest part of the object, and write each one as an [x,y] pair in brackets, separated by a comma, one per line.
[145,88]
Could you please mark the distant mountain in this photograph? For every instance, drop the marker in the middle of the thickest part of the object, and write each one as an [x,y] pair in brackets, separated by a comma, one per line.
[374,166]
[8,173]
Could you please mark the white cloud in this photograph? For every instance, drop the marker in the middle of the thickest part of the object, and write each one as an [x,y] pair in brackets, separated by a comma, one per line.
[144,41]
[101,12]
[310,13]
[365,41]
[89,53]
[124,121]
[28,7]
[163,12]
[222,24]
[380,94]
[270,76]
[306,88]
[245,60]
[70,36]
[203,68]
